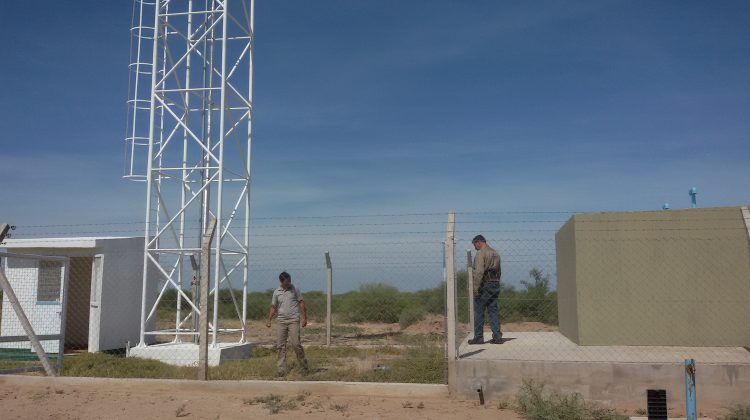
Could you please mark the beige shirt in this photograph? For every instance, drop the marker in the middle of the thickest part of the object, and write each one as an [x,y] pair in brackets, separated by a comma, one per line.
[287,303]
[486,267]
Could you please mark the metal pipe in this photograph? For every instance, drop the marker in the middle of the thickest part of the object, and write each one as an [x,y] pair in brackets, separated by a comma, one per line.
[149,180]
[220,187]
[691,412]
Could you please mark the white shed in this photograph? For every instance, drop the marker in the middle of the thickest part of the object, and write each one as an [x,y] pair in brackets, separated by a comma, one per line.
[104,291]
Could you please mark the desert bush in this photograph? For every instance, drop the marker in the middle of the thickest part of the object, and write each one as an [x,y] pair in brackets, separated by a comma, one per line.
[374,302]
[534,403]
[379,302]
[535,302]
[411,315]
[738,412]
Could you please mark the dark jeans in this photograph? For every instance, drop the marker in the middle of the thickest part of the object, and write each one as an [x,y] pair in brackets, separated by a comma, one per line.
[488,293]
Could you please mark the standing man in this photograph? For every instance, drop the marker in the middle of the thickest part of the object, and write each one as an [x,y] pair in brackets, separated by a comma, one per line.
[287,303]
[486,272]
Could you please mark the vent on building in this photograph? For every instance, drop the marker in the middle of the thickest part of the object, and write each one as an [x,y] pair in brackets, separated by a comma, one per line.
[657,404]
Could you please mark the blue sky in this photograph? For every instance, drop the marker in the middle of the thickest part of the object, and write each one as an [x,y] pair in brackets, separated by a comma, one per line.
[406,106]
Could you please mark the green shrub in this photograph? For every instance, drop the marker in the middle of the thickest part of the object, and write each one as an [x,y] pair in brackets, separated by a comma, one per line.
[378,302]
[536,302]
[410,315]
[534,403]
[432,300]
[258,304]
[315,302]
[374,302]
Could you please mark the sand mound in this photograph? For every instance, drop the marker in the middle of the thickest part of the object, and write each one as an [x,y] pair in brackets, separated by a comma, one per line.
[431,324]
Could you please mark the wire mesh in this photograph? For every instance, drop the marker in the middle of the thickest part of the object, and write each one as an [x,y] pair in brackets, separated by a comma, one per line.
[35,299]
[653,287]
[650,289]
[388,301]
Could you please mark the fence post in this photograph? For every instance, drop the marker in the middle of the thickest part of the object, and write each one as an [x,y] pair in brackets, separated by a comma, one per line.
[195,288]
[470,284]
[204,279]
[63,316]
[450,286]
[329,297]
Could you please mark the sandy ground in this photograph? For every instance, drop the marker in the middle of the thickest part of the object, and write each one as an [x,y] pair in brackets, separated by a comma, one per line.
[111,402]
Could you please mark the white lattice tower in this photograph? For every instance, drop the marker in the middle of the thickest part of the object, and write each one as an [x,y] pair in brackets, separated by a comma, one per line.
[192,149]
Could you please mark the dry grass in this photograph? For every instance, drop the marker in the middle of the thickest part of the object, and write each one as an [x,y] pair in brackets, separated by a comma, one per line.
[738,412]
[535,403]
[425,364]
[276,403]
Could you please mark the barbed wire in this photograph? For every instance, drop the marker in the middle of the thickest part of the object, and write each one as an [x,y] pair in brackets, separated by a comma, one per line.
[441,222]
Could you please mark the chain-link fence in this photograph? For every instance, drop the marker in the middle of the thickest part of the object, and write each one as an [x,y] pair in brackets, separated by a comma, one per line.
[646,287]
[619,287]
[32,319]
[387,301]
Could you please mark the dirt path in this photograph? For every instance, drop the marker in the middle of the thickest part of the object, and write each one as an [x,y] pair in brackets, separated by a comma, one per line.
[110,401]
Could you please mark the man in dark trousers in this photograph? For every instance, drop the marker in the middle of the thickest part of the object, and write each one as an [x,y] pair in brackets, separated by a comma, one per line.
[486,275]
[287,302]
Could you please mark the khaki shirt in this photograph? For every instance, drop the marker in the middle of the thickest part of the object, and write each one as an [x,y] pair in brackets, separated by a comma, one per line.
[486,267]
[287,303]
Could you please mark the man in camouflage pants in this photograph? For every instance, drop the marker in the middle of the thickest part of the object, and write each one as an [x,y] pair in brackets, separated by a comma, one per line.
[486,274]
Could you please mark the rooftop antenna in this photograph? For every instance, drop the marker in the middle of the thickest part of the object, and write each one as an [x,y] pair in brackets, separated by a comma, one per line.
[693,193]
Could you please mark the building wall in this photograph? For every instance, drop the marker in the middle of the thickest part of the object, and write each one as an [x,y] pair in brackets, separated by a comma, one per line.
[622,385]
[44,317]
[674,278]
[121,293]
[567,308]
[120,305]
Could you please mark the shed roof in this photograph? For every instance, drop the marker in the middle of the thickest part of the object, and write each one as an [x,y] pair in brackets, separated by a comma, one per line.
[76,242]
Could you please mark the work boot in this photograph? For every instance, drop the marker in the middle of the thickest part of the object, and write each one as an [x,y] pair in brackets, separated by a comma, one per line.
[496,341]
[476,341]
[305,367]
[281,372]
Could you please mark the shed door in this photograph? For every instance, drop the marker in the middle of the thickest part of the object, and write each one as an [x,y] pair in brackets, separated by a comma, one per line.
[95,313]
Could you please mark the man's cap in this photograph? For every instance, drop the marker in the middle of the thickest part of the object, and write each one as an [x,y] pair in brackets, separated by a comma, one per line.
[478,238]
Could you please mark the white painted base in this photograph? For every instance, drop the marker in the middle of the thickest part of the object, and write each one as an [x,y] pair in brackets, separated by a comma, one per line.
[186,354]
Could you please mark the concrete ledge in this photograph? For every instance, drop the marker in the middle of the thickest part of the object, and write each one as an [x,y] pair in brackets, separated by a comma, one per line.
[610,383]
[394,390]
[186,354]
[554,347]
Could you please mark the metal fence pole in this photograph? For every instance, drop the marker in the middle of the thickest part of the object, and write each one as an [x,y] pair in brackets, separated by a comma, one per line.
[450,286]
[690,398]
[204,280]
[329,297]
[470,285]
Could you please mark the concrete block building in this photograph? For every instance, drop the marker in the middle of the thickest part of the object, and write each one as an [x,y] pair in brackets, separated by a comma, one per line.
[103,297]
[655,278]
